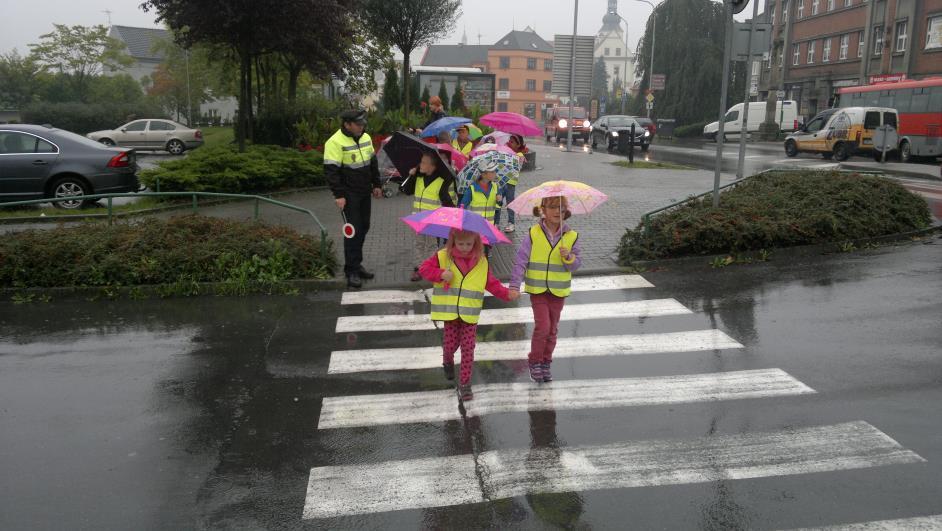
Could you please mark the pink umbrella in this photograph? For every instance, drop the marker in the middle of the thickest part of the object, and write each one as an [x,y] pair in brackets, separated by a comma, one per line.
[581,197]
[512,122]
[440,221]
[458,159]
[500,138]
[484,148]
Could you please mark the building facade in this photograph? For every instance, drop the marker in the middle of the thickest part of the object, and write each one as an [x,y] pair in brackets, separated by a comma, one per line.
[820,46]
[611,44]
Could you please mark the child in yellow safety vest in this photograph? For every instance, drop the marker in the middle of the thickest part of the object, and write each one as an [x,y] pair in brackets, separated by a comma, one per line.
[482,195]
[463,141]
[508,192]
[430,192]
[547,256]
[461,275]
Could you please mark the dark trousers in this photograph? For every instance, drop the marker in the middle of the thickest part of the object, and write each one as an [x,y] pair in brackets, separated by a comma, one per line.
[358,215]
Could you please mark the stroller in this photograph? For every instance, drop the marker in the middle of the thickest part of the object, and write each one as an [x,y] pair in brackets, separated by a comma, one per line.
[388,175]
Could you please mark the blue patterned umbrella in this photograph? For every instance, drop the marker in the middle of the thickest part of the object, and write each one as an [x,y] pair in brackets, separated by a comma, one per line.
[508,167]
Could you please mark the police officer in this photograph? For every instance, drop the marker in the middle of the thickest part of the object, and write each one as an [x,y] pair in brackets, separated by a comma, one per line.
[353,174]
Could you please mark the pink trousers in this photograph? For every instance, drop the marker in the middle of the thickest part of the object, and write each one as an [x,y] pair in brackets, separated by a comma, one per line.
[459,333]
[546,310]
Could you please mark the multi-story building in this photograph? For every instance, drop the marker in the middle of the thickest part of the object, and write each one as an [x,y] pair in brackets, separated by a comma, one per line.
[611,46]
[823,45]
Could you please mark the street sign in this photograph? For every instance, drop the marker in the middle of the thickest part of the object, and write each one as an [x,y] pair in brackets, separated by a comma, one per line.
[657,81]
[650,98]
[885,138]
[562,62]
[761,41]
[779,94]
[649,105]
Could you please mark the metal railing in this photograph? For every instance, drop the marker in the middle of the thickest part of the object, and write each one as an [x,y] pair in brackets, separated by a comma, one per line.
[195,205]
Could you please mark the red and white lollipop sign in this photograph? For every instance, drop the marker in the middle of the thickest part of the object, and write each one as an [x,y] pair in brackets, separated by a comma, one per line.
[348,230]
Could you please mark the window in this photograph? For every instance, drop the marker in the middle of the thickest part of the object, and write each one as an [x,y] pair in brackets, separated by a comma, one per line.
[531,85]
[826,51]
[781,58]
[816,124]
[772,19]
[814,7]
[607,51]
[889,118]
[920,101]
[901,36]
[810,58]
[848,3]
[547,64]
[531,63]
[505,62]
[503,84]
[755,67]
[801,8]
[13,143]
[157,125]
[529,110]
[617,52]
[731,116]
[934,32]
[878,40]
[136,126]
[795,54]
[830,5]
[45,147]
[860,44]
[845,41]
[547,86]
[502,106]
[872,120]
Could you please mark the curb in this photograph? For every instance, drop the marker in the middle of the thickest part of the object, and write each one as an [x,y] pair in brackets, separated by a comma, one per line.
[900,172]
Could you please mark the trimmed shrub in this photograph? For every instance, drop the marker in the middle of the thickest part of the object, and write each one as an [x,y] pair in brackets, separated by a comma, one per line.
[780,210]
[180,251]
[690,131]
[223,169]
[83,118]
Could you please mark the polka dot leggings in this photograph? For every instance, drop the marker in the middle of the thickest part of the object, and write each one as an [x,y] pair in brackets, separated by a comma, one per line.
[459,333]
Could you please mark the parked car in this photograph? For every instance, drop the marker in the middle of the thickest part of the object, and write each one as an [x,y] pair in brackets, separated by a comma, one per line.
[786,115]
[608,129]
[164,135]
[648,124]
[39,161]
[840,133]
[558,123]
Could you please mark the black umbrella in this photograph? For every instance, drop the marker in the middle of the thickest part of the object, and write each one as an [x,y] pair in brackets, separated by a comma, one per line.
[405,151]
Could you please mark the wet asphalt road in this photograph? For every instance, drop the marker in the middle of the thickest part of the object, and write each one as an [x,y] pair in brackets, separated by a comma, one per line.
[203,413]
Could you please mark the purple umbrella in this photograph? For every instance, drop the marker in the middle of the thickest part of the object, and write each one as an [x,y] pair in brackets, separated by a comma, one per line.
[440,221]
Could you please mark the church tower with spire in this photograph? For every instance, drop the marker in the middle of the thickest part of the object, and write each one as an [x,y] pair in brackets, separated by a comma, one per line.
[610,46]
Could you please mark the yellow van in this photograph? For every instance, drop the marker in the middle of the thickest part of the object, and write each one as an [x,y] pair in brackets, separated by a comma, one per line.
[840,133]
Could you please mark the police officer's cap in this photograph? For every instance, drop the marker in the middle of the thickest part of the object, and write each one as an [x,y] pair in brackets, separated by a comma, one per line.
[354,115]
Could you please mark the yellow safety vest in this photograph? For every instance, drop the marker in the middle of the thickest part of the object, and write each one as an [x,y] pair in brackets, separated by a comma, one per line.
[466,150]
[464,297]
[342,150]
[484,204]
[426,197]
[546,269]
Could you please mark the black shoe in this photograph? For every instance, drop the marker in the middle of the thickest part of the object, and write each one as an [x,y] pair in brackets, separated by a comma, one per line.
[449,370]
[365,274]
[353,280]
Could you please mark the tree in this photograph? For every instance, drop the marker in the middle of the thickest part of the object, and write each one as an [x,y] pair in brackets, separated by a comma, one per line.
[81,52]
[599,78]
[457,101]
[425,95]
[392,95]
[414,95]
[443,94]
[410,24]
[20,80]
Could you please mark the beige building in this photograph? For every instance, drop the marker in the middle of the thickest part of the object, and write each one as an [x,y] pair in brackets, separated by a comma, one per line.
[610,45]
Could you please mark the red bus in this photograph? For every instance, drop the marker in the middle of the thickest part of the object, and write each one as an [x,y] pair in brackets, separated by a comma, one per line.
[919,104]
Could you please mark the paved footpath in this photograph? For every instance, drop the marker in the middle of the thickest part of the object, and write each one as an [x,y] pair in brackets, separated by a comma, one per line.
[388,249]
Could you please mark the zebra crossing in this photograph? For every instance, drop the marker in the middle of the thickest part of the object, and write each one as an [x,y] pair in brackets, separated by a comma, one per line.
[449,480]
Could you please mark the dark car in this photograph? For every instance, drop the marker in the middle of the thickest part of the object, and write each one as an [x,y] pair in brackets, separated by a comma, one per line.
[558,124]
[648,124]
[39,161]
[608,129]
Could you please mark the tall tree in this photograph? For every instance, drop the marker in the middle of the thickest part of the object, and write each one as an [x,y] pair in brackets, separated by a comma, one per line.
[82,52]
[410,24]
[392,95]
[599,78]
[20,79]
[425,95]
[443,94]
[457,101]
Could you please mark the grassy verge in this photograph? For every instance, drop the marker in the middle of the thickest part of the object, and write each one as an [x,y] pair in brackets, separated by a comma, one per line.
[30,212]
[647,165]
[178,255]
[779,210]
[217,136]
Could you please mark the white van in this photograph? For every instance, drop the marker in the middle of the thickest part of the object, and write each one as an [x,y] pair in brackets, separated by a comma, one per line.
[788,121]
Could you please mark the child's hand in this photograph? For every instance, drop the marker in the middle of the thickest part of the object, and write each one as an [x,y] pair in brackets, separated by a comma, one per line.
[447,276]
[513,295]
[564,252]
[412,171]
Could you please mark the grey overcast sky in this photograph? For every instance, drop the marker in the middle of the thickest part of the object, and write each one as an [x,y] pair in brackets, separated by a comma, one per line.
[22,22]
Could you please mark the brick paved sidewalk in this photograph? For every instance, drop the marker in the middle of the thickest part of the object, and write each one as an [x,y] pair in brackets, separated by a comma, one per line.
[388,249]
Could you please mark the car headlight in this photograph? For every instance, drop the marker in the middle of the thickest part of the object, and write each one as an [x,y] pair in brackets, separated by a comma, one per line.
[563,124]
[647,133]
[586,123]
[614,134]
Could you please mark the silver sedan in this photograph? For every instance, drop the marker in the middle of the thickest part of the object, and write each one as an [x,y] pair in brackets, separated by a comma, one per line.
[151,134]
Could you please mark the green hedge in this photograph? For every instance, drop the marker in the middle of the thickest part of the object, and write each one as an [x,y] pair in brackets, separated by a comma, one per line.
[690,131]
[780,210]
[178,252]
[223,169]
[83,118]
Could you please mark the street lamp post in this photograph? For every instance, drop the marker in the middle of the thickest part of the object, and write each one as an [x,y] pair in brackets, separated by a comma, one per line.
[624,75]
[653,32]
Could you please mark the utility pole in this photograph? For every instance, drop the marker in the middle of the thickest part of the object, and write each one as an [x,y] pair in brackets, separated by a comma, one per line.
[744,130]
[728,21]
[572,76]
[189,106]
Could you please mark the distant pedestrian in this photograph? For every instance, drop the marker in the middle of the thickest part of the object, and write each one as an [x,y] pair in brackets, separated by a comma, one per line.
[547,257]
[352,173]
[509,190]
[461,275]
[438,112]
[431,191]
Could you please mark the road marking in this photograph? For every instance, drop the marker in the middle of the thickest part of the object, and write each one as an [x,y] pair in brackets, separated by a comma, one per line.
[389,359]
[439,406]
[344,490]
[595,283]
[522,314]
[898,524]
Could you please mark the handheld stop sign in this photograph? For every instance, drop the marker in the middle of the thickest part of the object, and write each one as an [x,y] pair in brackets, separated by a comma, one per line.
[348,230]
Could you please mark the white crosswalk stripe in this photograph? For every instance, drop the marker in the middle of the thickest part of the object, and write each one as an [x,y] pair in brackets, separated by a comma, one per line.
[613,282]
[919,523]
[344,490]
[439,406]
[520,314]
[408,358]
